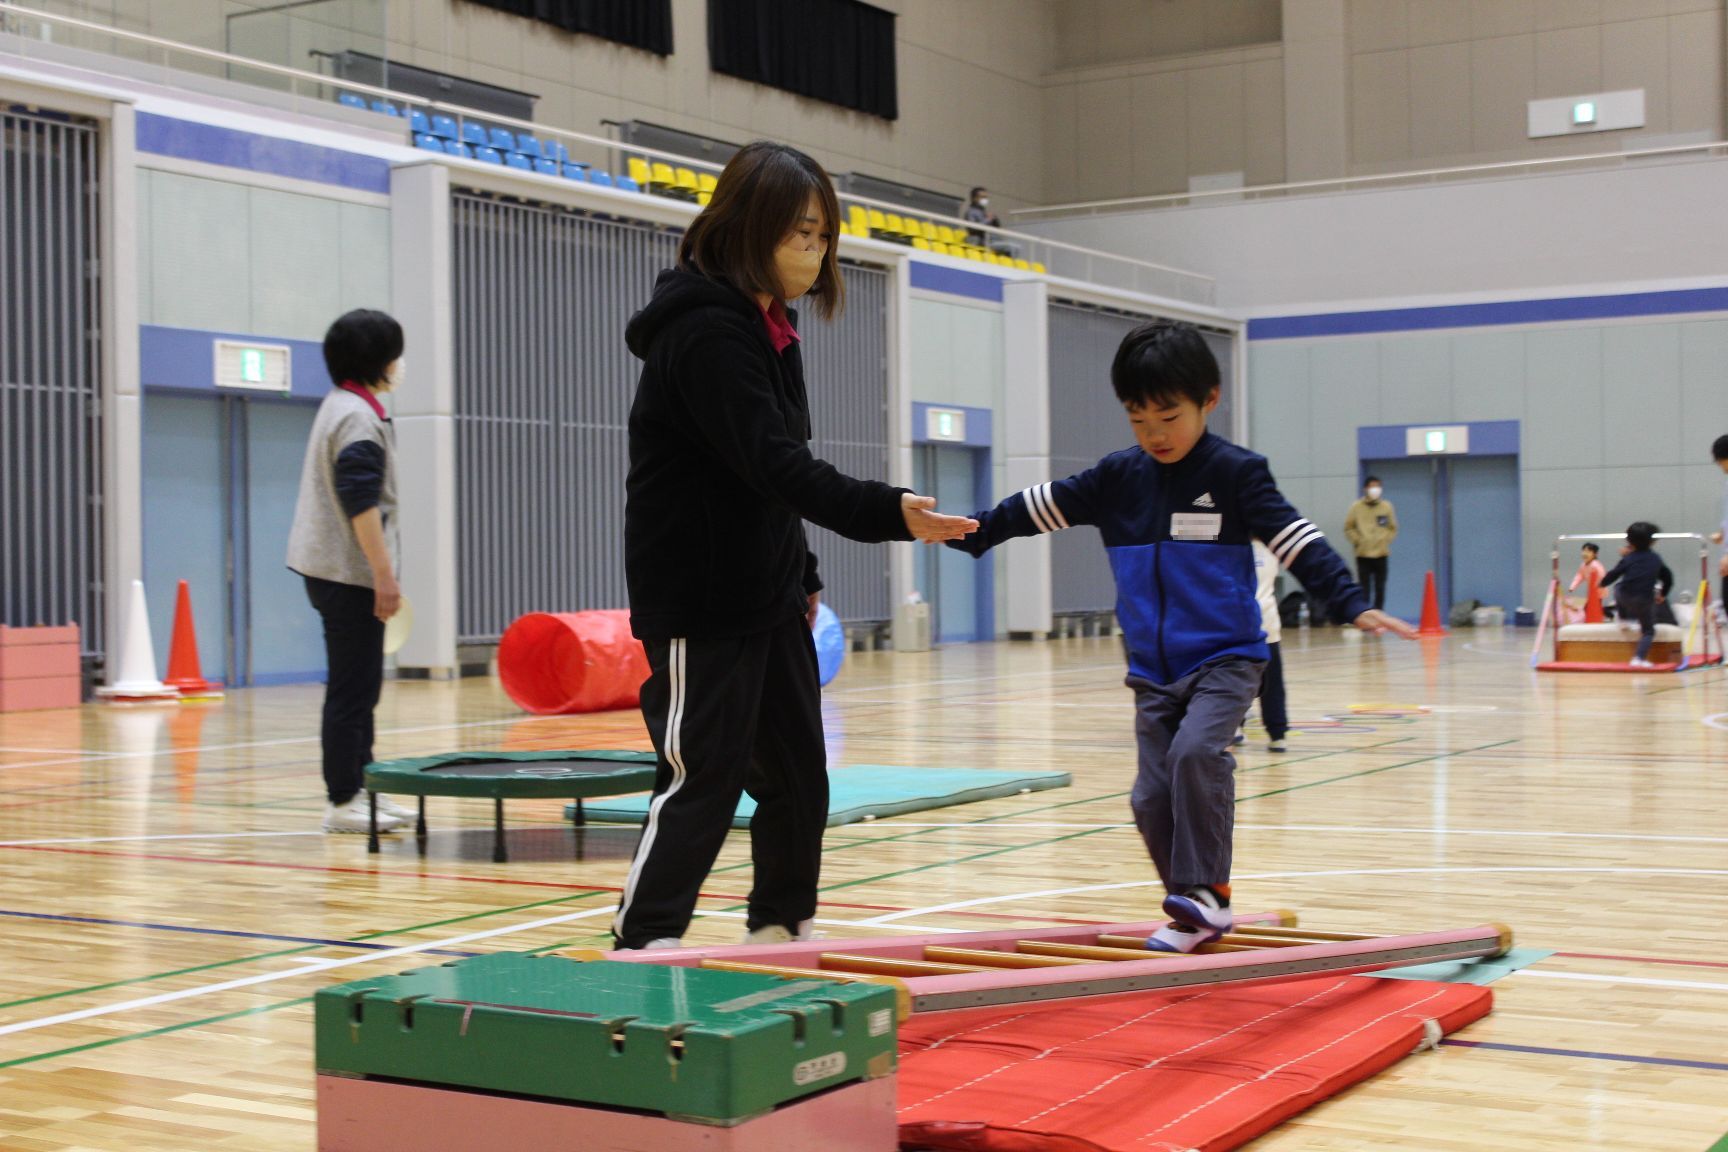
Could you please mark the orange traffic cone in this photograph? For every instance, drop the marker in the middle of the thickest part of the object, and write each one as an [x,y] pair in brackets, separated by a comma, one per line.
[1431,625]
[1593,613]
[184,674]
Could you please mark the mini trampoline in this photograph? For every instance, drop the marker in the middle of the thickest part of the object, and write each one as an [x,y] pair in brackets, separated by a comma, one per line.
[554,775]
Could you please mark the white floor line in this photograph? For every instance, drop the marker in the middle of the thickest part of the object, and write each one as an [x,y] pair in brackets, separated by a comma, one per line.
[291,973]
[889,825]
[1641,981]
[1008,898]
[176,836]
[94,754]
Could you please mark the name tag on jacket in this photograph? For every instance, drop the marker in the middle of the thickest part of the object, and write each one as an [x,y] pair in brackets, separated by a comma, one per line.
[1196,525]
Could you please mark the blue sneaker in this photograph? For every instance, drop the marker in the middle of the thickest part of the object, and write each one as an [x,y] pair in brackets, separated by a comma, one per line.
[1200,908]
[1178,938]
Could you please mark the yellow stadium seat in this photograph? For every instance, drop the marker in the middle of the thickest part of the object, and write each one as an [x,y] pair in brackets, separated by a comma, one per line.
[703,198]
[930,232]
[639,171]
[684,184]
[920,243]
[707,181]
[894,227]
[947,235]
[974,253]
[845,228]
[939,248]
[1023,265]
[1038,268]
[860,220]
[662,179]
[878,222]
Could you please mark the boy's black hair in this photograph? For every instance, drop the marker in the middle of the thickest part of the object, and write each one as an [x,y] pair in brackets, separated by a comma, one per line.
[1719,450]
[1370,480]
[973,195]
[1595,549]
[360,345]
[1162,363]
[1641,534]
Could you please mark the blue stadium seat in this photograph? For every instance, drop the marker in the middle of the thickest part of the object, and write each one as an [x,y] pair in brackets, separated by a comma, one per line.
[474,134]
[554,151]
[502,140]
[429,142]
[575,172]
[419,122]
[628,184]
[349,100]
[546,167]
[385,107]
[444,126]
[457,148]
[488,155]
[528,146]
[604,179]
[517,160]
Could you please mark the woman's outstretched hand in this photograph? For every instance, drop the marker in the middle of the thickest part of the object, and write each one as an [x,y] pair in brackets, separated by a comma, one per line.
[931,526]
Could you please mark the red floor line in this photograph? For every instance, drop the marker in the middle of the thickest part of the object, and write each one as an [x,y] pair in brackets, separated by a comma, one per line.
[462,879]
[1643,959]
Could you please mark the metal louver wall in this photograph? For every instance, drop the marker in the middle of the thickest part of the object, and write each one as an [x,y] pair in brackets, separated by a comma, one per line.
[846,368]
[51,553]
[1087,423]
[543,391]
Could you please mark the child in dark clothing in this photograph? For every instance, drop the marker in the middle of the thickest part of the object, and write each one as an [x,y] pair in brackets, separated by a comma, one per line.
[1177,513]
[1644,582]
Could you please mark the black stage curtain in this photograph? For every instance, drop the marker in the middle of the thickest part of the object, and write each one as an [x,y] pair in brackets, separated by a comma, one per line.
[839,51]
[645,24]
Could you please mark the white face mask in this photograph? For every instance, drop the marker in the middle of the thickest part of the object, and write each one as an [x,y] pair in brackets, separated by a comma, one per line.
[983,201]
[797,270]
[1374,492]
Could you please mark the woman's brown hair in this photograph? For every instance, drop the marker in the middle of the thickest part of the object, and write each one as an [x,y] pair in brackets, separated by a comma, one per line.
[760,200]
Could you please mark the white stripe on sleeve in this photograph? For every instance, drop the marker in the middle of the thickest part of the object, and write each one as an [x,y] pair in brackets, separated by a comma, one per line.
[1049,491]
[1037,510]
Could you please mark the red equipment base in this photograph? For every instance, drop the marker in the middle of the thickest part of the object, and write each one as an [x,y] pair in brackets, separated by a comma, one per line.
[1572,666]
[1159,1072]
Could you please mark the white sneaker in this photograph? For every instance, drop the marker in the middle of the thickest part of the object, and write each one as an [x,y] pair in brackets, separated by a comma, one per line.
[1178,938]
[1637,663]
[1199,908]
[662,943]
[385,804]
[780,934]
[354,816]
[1275,746]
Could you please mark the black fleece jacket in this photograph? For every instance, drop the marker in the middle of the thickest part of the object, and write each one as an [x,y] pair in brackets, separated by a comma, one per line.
[721,473]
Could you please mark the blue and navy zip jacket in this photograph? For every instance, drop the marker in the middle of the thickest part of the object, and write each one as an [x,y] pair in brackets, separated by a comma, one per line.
[1179,541]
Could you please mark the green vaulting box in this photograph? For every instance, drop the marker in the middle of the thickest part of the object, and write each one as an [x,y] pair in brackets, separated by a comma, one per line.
[718,1047]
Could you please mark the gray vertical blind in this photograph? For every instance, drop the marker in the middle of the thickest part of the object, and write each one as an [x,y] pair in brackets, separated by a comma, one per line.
[543,391]
[846,368]
[1086,423]
[51,551]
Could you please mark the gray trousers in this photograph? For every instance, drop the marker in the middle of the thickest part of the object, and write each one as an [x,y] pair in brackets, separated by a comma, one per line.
[1184,797]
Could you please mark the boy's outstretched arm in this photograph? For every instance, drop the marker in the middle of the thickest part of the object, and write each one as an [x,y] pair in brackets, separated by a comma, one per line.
[1033,511]
[1301,547]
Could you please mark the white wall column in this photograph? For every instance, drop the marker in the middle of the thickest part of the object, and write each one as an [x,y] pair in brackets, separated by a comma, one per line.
[424,413]
[903,559]
[1316,96]
[1026,446]
[122,392]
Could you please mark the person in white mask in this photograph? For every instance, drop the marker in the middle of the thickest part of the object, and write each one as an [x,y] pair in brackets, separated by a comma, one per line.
[1371,526]
[721,578]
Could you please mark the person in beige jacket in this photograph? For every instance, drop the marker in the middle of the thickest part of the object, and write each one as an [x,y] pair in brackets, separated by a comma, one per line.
[1371,526]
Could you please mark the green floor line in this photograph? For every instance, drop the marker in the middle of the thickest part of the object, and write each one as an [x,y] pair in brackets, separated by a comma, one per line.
[1720,1145]
[154,1032]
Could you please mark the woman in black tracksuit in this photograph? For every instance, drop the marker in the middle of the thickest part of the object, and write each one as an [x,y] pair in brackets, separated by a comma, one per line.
[722,583]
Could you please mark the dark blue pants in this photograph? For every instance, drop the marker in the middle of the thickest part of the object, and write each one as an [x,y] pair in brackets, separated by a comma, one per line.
[1641,610]
[1184,797]
[1272,707]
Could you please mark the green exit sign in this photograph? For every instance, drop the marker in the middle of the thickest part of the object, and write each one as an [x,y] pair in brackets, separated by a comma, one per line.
[252,365]
[1584,112]
[258,367]
[1435,440]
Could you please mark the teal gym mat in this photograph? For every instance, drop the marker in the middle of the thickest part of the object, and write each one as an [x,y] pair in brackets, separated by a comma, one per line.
[867,791]
[1479,970]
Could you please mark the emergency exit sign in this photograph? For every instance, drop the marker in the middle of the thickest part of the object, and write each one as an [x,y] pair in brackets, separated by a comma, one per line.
[945,425]
[1446,440]
[254,367]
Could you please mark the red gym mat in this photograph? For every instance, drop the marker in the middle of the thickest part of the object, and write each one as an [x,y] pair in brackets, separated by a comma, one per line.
[1161,1071]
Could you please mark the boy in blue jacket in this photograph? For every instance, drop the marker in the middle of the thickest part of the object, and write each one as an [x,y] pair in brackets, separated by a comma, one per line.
[1178,513]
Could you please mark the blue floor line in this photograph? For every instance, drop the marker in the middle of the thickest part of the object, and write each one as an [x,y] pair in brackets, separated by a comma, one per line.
[1618,1057]
[367,946]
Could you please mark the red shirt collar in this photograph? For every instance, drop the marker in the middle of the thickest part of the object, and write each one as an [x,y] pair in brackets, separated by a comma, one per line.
[365,394]
[780,331]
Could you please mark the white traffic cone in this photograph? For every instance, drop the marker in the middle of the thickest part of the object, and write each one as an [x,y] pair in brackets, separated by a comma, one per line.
[137,659]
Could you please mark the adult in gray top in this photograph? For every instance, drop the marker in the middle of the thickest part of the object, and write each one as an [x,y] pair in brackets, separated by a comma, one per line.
[344,543]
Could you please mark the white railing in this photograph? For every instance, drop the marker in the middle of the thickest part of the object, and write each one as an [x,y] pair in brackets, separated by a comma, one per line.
[173,64]
[1424,176]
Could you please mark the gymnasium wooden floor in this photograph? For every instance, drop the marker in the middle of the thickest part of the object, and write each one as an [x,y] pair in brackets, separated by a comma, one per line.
[169,907]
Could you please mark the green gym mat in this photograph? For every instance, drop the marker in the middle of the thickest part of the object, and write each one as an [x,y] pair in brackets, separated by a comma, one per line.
[867,791]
